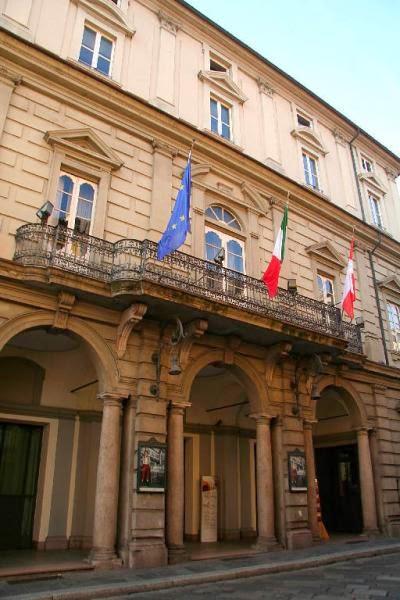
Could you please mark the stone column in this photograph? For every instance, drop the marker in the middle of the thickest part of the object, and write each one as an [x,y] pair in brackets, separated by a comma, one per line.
[366,482]
[176,480]
[311,491]
[277,454]
[265,484]
[106,502]
[126,487]
[376,468]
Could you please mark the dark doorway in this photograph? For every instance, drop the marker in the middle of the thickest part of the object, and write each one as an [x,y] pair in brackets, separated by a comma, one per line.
[19,467]
[339,488]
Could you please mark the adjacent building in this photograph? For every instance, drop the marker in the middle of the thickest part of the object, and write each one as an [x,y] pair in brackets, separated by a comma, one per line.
[129,384]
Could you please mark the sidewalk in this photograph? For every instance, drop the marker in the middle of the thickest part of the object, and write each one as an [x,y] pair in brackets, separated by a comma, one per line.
[107,584]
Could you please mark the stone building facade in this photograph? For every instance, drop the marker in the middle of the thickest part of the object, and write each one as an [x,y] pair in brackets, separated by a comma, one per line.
[104,348]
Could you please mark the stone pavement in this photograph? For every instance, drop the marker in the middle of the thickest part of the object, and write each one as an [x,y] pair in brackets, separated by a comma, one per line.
[275,568]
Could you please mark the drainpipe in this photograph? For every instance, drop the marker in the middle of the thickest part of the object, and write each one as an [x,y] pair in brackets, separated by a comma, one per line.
[370,252]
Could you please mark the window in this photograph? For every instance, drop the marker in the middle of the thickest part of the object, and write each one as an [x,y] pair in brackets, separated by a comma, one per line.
[220,118]
[375,206]
[216,66]
[325,288]
[74,203]
[232,248]
[219,213]
[303,121]
[394,324]
[310,171]
[96,51]
[366,164]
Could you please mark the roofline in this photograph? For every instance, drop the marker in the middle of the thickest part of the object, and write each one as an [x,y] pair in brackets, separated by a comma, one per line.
[286,76]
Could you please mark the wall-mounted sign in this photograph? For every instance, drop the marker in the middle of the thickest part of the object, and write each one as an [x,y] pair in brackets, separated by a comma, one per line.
[209,504]
[297,471]
[151,471]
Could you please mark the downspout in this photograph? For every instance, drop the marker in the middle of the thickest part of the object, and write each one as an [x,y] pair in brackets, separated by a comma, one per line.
[370,252]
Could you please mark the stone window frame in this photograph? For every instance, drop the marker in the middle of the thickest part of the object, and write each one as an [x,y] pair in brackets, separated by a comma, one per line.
[390,290]
[326,260]
[99,35]
[95,164]
[238,234]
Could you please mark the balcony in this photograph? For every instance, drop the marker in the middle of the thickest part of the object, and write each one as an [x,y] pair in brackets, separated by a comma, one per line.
[128,260]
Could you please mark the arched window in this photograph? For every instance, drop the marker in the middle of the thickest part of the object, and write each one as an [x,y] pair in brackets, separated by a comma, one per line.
[75,201]
[217,240]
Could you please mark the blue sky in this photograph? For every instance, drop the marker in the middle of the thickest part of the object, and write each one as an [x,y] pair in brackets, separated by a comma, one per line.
[346,51]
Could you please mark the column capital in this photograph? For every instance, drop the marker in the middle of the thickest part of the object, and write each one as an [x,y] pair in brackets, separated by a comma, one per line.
[379,388]
[161,147]
[362,431]
[111,399]
[178,408]
[308,423]
[261,418]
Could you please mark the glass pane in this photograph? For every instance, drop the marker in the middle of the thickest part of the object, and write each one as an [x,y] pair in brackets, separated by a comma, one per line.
[235,256]
[215,212]
[226,132]
[86,191]
[213,244]
[214,109]
[320,284]
[103,65]
[105,48]
[225,115]
[86,56]
[214,124]
[65,189]
[234,247]
[89,38]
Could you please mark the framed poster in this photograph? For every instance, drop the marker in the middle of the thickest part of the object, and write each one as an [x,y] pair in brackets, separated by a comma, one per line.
[151,467]
[297,471]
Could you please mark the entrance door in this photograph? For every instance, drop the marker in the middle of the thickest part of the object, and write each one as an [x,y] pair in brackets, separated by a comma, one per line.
[19,467]
[339,488]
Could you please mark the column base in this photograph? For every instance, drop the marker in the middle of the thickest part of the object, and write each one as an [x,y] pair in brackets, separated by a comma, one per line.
[144,553]
[177,554]
[264,544]
[371,533]
[103,558]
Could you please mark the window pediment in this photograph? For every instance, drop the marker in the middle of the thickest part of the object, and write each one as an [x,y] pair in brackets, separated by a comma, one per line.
[223,83]
[259,203]
[108,11]
[326,252]
[85,143]
[391,284]
[373,181]
[310,138]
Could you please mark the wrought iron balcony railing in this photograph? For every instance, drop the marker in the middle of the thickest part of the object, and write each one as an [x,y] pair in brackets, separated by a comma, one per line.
[44,246]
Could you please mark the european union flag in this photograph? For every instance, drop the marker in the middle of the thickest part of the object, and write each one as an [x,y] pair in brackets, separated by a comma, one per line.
[179,223]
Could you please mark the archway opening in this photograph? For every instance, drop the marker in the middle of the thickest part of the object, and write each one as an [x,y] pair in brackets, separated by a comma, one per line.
[336,457]
[220,440]
[50,420]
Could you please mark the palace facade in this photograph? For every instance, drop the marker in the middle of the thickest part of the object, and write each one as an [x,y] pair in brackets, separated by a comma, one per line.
[126,380]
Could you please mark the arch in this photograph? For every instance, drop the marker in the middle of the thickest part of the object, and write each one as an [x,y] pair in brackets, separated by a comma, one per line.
[225,219]
[355,407]
[241,368]
[102,356]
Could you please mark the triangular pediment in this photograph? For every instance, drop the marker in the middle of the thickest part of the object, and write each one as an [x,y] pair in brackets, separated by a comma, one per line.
[326,252]
[107,11]
[391,284]
[309,137]
[85,143]
[223,83]
[373,181]
[255,198]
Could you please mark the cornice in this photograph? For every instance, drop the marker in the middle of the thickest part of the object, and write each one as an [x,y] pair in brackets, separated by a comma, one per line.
[60,80]
[327,252]
[223,83]
[109,12]
[306,135]
[373,181]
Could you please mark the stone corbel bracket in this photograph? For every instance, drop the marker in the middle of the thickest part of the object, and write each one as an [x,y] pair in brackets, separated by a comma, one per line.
[65,302]
[273,354]
[312,369]
[233,345]
[192,331]
[130,318]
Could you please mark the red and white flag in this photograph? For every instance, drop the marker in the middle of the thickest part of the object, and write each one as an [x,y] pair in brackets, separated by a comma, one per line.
[271,275]
[349,292]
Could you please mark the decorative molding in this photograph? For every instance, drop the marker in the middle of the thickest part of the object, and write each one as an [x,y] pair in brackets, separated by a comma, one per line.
[306,135]
[168,23]
[233,344]
[391,173]
[325,251]
[131,317]
[163,148]
[224,83]
[200,169]
[109,12]
[340,137]
[273,354]
[265,87]
[65,302]
[255,197]
[9,76]
[373,181]
[391,284]
[84,142]
[191,331]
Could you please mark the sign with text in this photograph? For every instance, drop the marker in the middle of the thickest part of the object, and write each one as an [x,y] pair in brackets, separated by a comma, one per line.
[209,509]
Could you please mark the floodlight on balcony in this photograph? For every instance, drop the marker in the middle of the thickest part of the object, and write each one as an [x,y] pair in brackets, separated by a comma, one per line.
[292,286]
[360,322]
[45,211]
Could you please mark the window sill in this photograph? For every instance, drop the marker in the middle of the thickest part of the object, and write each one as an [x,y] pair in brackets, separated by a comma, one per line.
[315,190]
[222,139]
[92,71]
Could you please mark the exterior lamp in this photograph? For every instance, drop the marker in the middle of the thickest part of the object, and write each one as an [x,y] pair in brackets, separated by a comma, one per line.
[360,322]
[44,212]
[292,286]
[220,257]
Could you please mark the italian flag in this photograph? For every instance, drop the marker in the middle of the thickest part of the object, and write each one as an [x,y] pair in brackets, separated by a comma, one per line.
[349,292]
[271,275]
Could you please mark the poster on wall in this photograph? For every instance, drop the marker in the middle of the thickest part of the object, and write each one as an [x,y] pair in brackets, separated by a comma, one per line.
[151,471]
[209,503]
[297,471]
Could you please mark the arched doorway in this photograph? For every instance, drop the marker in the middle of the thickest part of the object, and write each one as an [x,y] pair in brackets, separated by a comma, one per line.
[50,421]
[220,445]
[337,461]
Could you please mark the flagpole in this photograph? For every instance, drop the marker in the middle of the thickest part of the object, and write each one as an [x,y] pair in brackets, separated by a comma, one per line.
[191,148]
